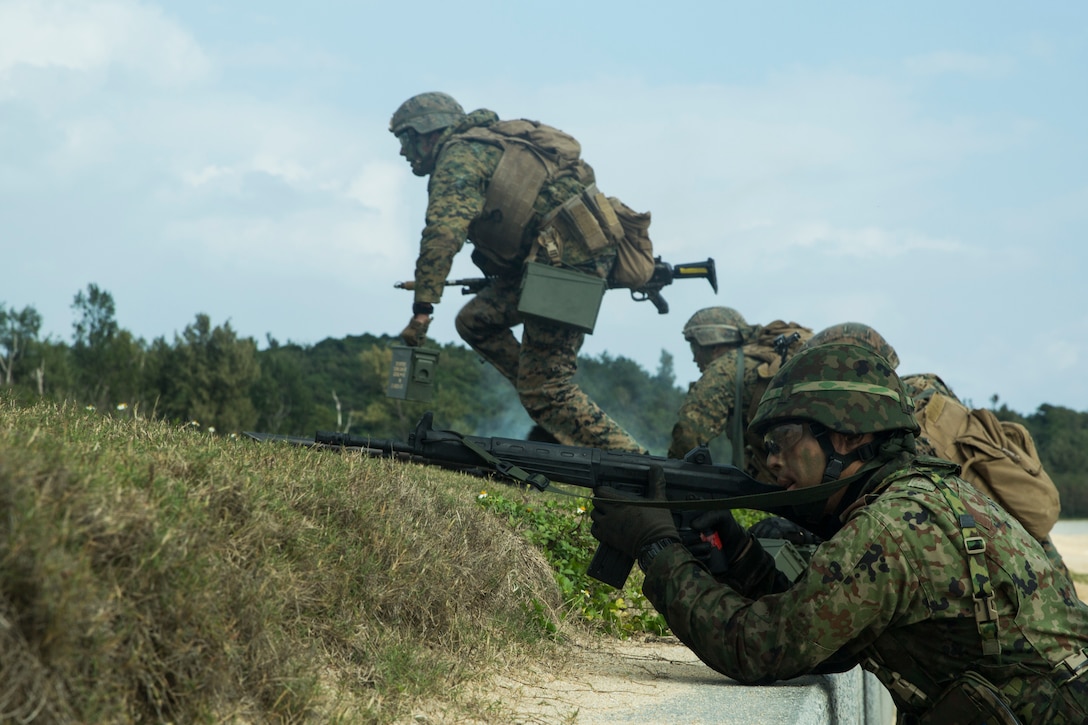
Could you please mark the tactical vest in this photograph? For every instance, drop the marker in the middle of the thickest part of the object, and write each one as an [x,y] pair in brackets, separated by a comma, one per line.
[533,154]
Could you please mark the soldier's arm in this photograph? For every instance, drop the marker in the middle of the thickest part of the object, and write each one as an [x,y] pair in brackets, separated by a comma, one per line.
[455,197]
[839,605]
[705,412]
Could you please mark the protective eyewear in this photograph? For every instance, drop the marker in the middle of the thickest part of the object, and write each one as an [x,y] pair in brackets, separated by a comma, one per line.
[783,437]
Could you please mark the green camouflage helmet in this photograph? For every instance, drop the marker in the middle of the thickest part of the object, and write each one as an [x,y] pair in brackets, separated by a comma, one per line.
[855,333]
[847,388]
[716,326]
[427,112]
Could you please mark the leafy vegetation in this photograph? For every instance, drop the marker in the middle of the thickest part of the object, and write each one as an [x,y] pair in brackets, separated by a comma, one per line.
[210,376]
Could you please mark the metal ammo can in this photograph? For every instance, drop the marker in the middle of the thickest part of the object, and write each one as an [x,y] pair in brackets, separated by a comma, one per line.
[411,375]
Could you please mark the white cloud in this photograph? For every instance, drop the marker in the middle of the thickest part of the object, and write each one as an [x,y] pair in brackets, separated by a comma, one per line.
[870,242]
[958,63]
[88,36]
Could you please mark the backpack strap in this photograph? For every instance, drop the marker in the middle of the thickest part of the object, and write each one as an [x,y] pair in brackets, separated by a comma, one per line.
[975,546]
[737,434]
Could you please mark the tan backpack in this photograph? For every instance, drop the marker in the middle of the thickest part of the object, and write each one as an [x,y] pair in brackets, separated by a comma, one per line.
[997,457]
[634,251]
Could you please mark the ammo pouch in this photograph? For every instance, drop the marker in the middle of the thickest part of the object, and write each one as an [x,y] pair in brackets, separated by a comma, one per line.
[969,700]
[588,217]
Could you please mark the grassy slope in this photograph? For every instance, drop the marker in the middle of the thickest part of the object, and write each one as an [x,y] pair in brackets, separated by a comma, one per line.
[153,573]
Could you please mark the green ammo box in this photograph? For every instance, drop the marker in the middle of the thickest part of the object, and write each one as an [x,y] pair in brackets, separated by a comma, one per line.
[786,557]
[412,373]
[561,295]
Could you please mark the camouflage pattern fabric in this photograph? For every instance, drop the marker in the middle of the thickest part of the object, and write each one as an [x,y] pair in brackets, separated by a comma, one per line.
[893,584]
[456,193]
[921,387]
[708,409]
[541,367]
[710,404]
[845,387]
[856,333]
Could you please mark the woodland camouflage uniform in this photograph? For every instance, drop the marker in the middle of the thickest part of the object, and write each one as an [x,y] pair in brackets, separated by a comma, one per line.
[542,365]
[892,587]
[921,387]
[710,406]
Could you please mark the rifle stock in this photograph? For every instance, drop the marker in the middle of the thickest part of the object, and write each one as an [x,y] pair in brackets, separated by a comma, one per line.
[664,274]
[537,464]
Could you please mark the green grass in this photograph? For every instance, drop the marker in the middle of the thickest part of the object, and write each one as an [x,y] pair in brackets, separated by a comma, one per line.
[152,573]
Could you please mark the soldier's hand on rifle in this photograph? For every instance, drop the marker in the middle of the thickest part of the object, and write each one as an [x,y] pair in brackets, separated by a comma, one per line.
[416,333]
[716,539]
[627,528]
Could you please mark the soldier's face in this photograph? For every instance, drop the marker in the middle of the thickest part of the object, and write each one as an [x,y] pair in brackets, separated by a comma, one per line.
[703,356]
[418,149]
[794,456]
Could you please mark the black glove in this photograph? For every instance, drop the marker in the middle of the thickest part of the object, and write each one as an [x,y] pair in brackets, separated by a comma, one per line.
[777,527]
[714,538]
[631,528]
[416,333]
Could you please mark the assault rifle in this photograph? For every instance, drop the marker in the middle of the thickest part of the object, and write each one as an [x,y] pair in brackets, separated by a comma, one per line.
[663,275]
[469,285]
[694,481]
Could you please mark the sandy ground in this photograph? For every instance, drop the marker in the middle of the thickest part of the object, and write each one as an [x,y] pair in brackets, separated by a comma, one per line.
[1074,549]
[605,681]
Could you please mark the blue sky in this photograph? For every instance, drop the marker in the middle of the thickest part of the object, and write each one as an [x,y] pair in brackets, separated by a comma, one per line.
[921,168]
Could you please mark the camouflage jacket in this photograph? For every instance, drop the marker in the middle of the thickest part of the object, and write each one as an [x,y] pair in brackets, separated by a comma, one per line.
[709,407]
[893,585]
[456,193]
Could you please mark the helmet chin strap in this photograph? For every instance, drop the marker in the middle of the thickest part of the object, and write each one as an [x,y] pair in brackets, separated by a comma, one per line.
[837,462]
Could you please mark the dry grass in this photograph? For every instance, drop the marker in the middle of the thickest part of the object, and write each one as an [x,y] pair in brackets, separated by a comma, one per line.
[153,573]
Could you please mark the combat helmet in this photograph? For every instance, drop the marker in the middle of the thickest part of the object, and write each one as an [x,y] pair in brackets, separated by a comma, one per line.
[855,333]
[426,112]
[845,388]
[716,326]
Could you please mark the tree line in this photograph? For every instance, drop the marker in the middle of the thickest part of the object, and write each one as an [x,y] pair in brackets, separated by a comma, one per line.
[209,377]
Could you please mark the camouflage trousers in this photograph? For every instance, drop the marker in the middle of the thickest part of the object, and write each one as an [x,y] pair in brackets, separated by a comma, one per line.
[541,367]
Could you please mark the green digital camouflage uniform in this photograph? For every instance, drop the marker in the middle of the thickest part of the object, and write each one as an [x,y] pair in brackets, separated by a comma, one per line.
[710,405]
[921,386]
[542,365]
[893,587]
[893,584]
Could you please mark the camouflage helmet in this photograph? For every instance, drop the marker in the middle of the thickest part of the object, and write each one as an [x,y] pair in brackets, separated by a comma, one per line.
[716,326]
[847,388]
[855,333]
[426,112]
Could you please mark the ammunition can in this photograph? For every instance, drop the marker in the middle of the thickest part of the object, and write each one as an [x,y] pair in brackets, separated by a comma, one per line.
[787,558]
[561,295]
[411,376]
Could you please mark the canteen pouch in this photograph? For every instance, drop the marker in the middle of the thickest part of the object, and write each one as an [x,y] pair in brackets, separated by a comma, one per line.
[969,700]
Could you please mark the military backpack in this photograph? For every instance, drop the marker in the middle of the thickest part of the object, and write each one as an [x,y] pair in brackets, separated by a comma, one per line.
[998,457]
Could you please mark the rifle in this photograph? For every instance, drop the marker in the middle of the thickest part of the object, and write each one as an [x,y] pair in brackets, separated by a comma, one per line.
[469,285]
[664,274]
[537,464]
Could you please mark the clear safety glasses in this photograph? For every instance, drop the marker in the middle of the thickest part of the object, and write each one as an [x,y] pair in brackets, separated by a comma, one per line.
[783,437]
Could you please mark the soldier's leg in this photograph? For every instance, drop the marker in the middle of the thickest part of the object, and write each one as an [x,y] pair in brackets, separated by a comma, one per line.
[485,322]
[549,359]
